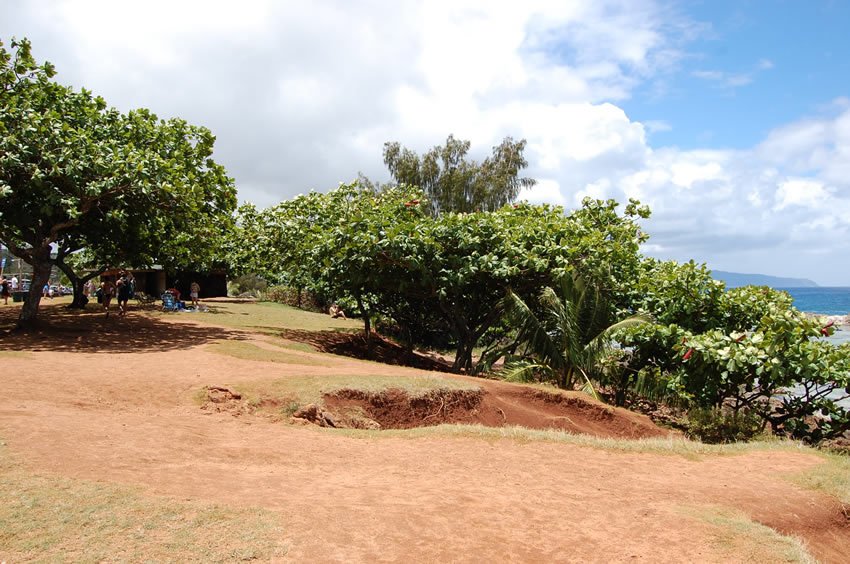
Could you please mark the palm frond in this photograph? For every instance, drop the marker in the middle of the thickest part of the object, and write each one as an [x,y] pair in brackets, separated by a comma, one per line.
[588,387]
[533,332]
[525,371]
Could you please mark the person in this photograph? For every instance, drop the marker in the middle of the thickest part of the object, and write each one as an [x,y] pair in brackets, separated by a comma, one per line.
[45,291]
[14,282]
[4,290]
[335,311]
[174,291]
[107,290]
[131,282]
[194,290]
[122,287]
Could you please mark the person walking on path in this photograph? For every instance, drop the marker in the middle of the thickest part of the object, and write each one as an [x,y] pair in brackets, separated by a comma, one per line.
[107,290]
[123,289]
[4,290]
[194,291]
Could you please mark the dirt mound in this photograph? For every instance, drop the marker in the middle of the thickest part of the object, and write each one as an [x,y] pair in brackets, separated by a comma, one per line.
[396,409]
[491,406]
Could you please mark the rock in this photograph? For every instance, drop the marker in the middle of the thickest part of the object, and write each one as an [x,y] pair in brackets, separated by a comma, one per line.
[218,394]
[315,414]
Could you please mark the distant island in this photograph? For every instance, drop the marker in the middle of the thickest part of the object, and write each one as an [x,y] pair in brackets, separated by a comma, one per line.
[735,279]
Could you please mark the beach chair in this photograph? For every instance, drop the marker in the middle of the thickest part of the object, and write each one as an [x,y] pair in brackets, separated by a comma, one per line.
[168,302]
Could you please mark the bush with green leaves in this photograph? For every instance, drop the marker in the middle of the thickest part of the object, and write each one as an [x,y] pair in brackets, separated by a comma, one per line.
[716,425]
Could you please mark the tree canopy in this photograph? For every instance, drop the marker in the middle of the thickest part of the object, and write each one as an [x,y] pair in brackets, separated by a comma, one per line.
[454,183]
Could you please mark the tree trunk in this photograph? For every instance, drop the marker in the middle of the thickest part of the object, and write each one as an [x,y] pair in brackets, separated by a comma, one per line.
[367,325]
[463,355]
[41,267]
[77,282]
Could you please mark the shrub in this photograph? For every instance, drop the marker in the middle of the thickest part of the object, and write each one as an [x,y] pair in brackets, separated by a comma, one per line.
[713,425]
[247,284]
[290,296]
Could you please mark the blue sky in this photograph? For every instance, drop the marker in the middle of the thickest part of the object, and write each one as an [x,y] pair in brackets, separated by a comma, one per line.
[753,65]
[731,120]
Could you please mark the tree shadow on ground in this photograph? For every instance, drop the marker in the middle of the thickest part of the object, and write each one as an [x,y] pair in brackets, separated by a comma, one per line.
[60,329]
[353,344]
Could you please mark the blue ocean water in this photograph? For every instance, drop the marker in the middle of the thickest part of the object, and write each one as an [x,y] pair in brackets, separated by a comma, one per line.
[827,301]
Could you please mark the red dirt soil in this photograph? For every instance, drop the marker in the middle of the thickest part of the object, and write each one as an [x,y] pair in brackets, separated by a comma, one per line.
[113,401]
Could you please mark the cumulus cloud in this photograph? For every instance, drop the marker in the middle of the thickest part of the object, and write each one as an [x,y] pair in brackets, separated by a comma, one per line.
[303,96]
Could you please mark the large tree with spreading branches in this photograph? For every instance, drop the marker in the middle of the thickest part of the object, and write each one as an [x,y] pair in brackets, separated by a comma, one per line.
[78,175]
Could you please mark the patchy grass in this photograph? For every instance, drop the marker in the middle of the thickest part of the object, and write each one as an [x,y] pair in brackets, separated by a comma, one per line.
[268,317]
[47,518]
[15,354]
[747,541]
[301,390]
[296,346]
[677,446]
[831,477]
[248,351]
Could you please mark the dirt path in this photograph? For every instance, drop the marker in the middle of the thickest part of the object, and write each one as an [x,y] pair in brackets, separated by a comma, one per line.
[79,407]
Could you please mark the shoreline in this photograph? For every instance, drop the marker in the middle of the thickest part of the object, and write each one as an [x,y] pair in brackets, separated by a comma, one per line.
[841,322]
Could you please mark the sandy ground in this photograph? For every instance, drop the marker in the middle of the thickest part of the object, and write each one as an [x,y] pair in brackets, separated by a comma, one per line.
[116,404]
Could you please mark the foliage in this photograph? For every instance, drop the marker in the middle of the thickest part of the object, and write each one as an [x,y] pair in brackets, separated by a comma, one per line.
[453,183]
[780,370]
[571,336]
[384,254]
[746,349]
[713,425]
[247,284]
[76,174]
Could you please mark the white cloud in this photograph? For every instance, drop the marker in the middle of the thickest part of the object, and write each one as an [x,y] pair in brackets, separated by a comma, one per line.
[546,191]
[303,95]
[800,192]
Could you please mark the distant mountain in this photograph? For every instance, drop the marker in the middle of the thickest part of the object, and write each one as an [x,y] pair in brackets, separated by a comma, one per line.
[735,279]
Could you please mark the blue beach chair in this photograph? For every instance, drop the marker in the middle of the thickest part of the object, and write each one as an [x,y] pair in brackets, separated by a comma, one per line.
[168,302]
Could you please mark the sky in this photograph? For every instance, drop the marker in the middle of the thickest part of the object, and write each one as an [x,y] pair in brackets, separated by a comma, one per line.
[730,119]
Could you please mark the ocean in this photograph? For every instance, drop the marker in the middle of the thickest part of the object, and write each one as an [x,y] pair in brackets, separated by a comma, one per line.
[827,301]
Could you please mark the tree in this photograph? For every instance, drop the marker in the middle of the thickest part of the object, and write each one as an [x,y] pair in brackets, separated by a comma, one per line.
[452,183]
[449,273]
[566,342]
[76,174]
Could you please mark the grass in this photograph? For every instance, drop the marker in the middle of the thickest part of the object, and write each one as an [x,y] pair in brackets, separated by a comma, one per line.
[747,541]
[832,477]
[48,518]
[15,354]
[248,351]
[674,446]
[269,317]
